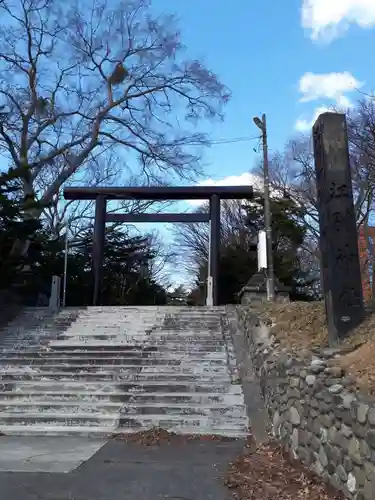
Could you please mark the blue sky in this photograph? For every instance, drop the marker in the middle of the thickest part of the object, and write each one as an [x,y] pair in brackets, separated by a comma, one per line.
[264,51]
[289,59]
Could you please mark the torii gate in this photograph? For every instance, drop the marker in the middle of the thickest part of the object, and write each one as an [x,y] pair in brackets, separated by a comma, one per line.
[158,193]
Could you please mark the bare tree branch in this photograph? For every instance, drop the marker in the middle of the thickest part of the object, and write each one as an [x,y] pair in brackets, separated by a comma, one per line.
[292,172]
[192,239]
[81,78]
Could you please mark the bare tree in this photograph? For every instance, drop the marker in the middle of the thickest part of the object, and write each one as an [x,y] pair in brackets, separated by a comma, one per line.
[191,244]
[361,132]
[292,173]
[160,266]
[192,239]
[78,215]
[79,78]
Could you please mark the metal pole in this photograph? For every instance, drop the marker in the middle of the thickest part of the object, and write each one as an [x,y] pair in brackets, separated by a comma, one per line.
[65,266]
[215,246]
[268,215]
[98,247]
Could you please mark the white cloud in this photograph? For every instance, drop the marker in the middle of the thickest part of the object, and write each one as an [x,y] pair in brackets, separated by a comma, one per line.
[245,179]
[232,180]
[326,86]
[327,19]
[331,86]
[303,125]
[344,102]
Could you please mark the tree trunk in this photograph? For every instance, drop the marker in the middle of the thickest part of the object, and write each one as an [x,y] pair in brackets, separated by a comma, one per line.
[31,212]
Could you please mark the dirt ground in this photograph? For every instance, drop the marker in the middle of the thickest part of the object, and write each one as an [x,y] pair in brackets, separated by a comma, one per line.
[265,473]
[302,326]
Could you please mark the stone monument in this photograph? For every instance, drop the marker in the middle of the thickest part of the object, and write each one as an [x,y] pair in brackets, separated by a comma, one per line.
[338,233]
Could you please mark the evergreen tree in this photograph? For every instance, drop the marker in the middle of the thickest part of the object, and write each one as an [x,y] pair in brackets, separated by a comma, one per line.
[238,254]
[29,278]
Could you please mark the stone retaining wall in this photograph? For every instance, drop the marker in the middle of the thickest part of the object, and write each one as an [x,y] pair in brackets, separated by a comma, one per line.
[315,412]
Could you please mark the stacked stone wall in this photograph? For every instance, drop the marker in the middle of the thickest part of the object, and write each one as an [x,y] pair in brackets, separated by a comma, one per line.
[315,411]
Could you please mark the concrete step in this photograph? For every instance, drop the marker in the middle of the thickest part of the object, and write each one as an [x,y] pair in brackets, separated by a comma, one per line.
[167,310]
[143,376]
[211,411]
[142,337]
[124,386]
[63,418]
[31,331]
[35,326]
[57,430]
[173,338]
[68,368]
[116,345]
[16,406]
[214,411]
[123,362]
[126,311]
[29,338]
[135,422]
[102,432]
[133,344]
[159,398]
[183,350]
[34,343]
[139,327]
[147,353]
[100,370]
[164,422]
[139,323]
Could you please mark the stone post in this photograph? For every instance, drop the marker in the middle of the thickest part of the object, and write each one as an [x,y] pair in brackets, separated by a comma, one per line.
[54,301]
[338,233]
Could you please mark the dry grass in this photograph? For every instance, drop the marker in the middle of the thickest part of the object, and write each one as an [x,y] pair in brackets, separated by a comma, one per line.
[361,364]
[302,326]
[297,324]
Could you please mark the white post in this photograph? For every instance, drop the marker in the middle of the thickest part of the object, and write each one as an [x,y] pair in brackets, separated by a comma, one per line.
[65,267]
[210,296]
[54,301]
[262,250]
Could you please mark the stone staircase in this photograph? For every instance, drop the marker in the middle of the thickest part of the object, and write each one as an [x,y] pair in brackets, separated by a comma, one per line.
[104,370]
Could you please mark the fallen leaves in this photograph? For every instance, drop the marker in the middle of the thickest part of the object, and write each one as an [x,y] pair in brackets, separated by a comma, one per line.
[265,473]
[158,437]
